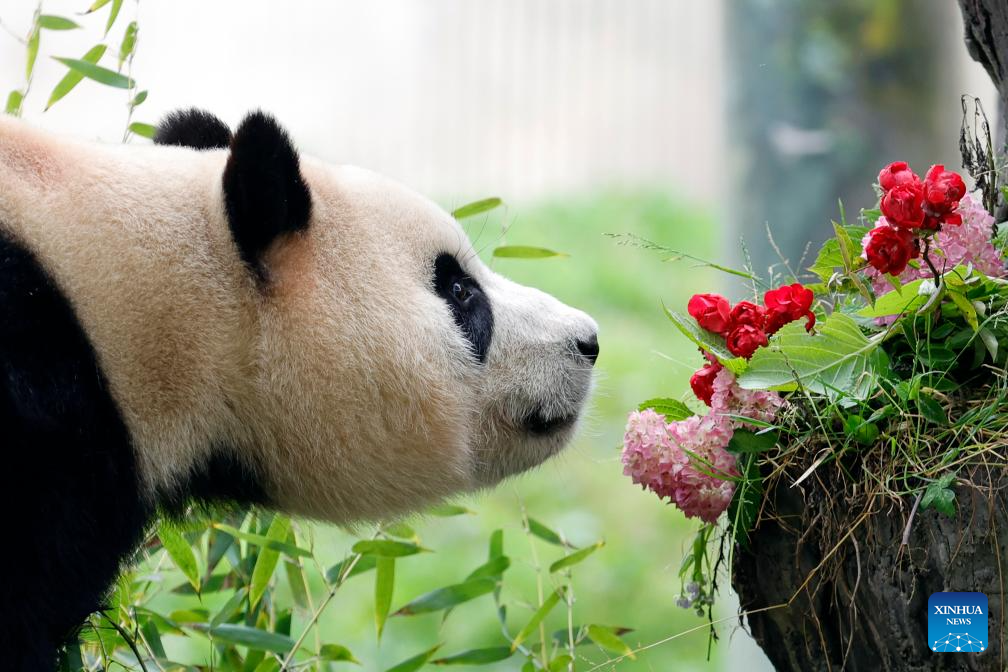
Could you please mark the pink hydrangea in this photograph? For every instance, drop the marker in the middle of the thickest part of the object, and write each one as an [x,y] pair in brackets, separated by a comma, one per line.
[731,400]
[967,243]
[679,460]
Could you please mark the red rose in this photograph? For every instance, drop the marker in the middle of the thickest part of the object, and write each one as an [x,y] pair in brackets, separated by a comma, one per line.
[888,249]
[903,205]
[711,311]
[702,382]
[787,304]
[942,191]
[895,174]
[744,339]
[746,312]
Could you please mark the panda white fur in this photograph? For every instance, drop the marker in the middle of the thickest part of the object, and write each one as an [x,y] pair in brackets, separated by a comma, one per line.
[218,319]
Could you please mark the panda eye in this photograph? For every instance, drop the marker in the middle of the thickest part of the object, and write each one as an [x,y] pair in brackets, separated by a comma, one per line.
[460,293]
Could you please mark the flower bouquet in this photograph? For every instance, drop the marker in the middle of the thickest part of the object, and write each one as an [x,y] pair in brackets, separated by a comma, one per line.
[845,451]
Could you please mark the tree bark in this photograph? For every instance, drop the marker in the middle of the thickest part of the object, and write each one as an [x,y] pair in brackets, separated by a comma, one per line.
[866,606]
[986,23]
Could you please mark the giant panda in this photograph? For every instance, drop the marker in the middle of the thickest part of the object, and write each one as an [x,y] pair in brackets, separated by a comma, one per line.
[216,318]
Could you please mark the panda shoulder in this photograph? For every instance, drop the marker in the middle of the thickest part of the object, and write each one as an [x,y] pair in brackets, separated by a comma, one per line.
[193,128]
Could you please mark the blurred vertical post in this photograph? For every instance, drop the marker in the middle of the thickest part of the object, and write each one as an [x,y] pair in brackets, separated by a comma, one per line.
[820,97]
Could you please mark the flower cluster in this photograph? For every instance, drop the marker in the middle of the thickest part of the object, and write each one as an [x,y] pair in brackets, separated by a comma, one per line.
[912,209]
[687,461]
[746,326]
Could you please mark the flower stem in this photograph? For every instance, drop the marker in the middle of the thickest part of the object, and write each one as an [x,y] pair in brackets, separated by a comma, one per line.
[924,254]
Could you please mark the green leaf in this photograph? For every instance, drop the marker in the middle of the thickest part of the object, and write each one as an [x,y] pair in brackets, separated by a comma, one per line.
[492,569]
[830,257]
[575,557]
[745,503]
[931,410]
[96,5]
[264,542]
[337,654]
[608,639]
[128,44]
[416,662]
[744,441]
[905,300]
[449,510]
[50,22]
[940,496]
[33,47]
[139,99]
[97,73]
[838,359]
[268,558]
[525,252]
[401,530]
[672,409]
[537,618]
[965,307]
[152,637]
[707,341]
[544,533]
[493,654]
[384,585]
[180,552]
[230,607]
[143,130]
[496,544]
[449,596]
[14,99]
[365,563]
[73,78]
[296,581]
[253,638]
[476,208]
[387,548]
[113,15]
[561,663]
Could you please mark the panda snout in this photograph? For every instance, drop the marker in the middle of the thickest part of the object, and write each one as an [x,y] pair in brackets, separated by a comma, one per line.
[588,348]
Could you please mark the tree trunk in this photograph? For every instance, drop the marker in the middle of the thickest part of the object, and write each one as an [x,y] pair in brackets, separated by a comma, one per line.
[987,41]
[866,606]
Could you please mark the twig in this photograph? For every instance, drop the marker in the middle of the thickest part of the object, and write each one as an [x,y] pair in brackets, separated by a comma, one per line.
[913,512]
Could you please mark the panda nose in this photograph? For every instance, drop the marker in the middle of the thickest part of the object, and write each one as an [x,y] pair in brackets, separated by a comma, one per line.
[588,348]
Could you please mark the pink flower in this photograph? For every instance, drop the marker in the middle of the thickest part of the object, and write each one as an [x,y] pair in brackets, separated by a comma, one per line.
[729,399]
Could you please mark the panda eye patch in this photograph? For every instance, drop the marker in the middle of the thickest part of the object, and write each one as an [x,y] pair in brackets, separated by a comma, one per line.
[470,307]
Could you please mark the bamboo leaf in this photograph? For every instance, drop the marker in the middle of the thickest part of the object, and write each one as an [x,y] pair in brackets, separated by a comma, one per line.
[491,569]
[544,533]
[838,360]
[97,73]
[139,99]
[448,510]
[128,43]
[73,78]
[537,618]
[525,252]
[476,208]
[268,558]
[253,638]
[447,597]
[416,662]
[96,5]
[33,47]
[493,654]
[265,542]
[575,557]
[14,99]
[113,15]
[181,553]
[365,563]
[143,130]
[51,22]
[608,639]
[337,654]
[387,548]
[384,585]
[296,581]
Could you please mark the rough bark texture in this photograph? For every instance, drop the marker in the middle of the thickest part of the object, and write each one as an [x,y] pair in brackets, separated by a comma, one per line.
[987,41]
[866,607]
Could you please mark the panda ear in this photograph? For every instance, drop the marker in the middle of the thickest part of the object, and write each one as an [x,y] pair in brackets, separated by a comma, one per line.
[265,195]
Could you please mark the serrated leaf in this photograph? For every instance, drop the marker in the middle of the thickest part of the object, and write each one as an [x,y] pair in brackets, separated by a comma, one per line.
[180,552]
[128,43]
[476,208]
[97,73]
[896,302]
[113,15]
[608,639]
[416,662]
[386,548]
[672,409]
[493,654]
[830,257]
[265,542]
[268,558]
[839,359]
[575,557]
[253,638]
[337,654]
[449,596]
[143,130]
[384,586]
[939,496]
[73,78]
[51,22]
[537,618]
[14,99]
[706,341]
[525,252]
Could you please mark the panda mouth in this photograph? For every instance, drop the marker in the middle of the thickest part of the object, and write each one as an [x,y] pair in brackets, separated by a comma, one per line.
[537,424]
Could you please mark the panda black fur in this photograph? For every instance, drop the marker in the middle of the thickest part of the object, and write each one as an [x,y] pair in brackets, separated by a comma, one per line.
[482,378]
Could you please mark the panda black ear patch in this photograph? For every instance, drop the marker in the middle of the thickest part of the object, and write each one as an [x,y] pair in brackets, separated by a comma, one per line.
[193,128]
[265,195]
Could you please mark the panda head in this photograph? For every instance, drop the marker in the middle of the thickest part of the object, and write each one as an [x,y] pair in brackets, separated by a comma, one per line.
[391,367]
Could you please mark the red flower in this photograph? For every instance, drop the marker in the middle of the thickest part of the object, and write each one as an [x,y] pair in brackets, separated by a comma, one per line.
[903,205]
[942,191]
[744,339]
[888,249]
[895,174]
[787,304]
[746,312]
[711,311]
[702,382]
